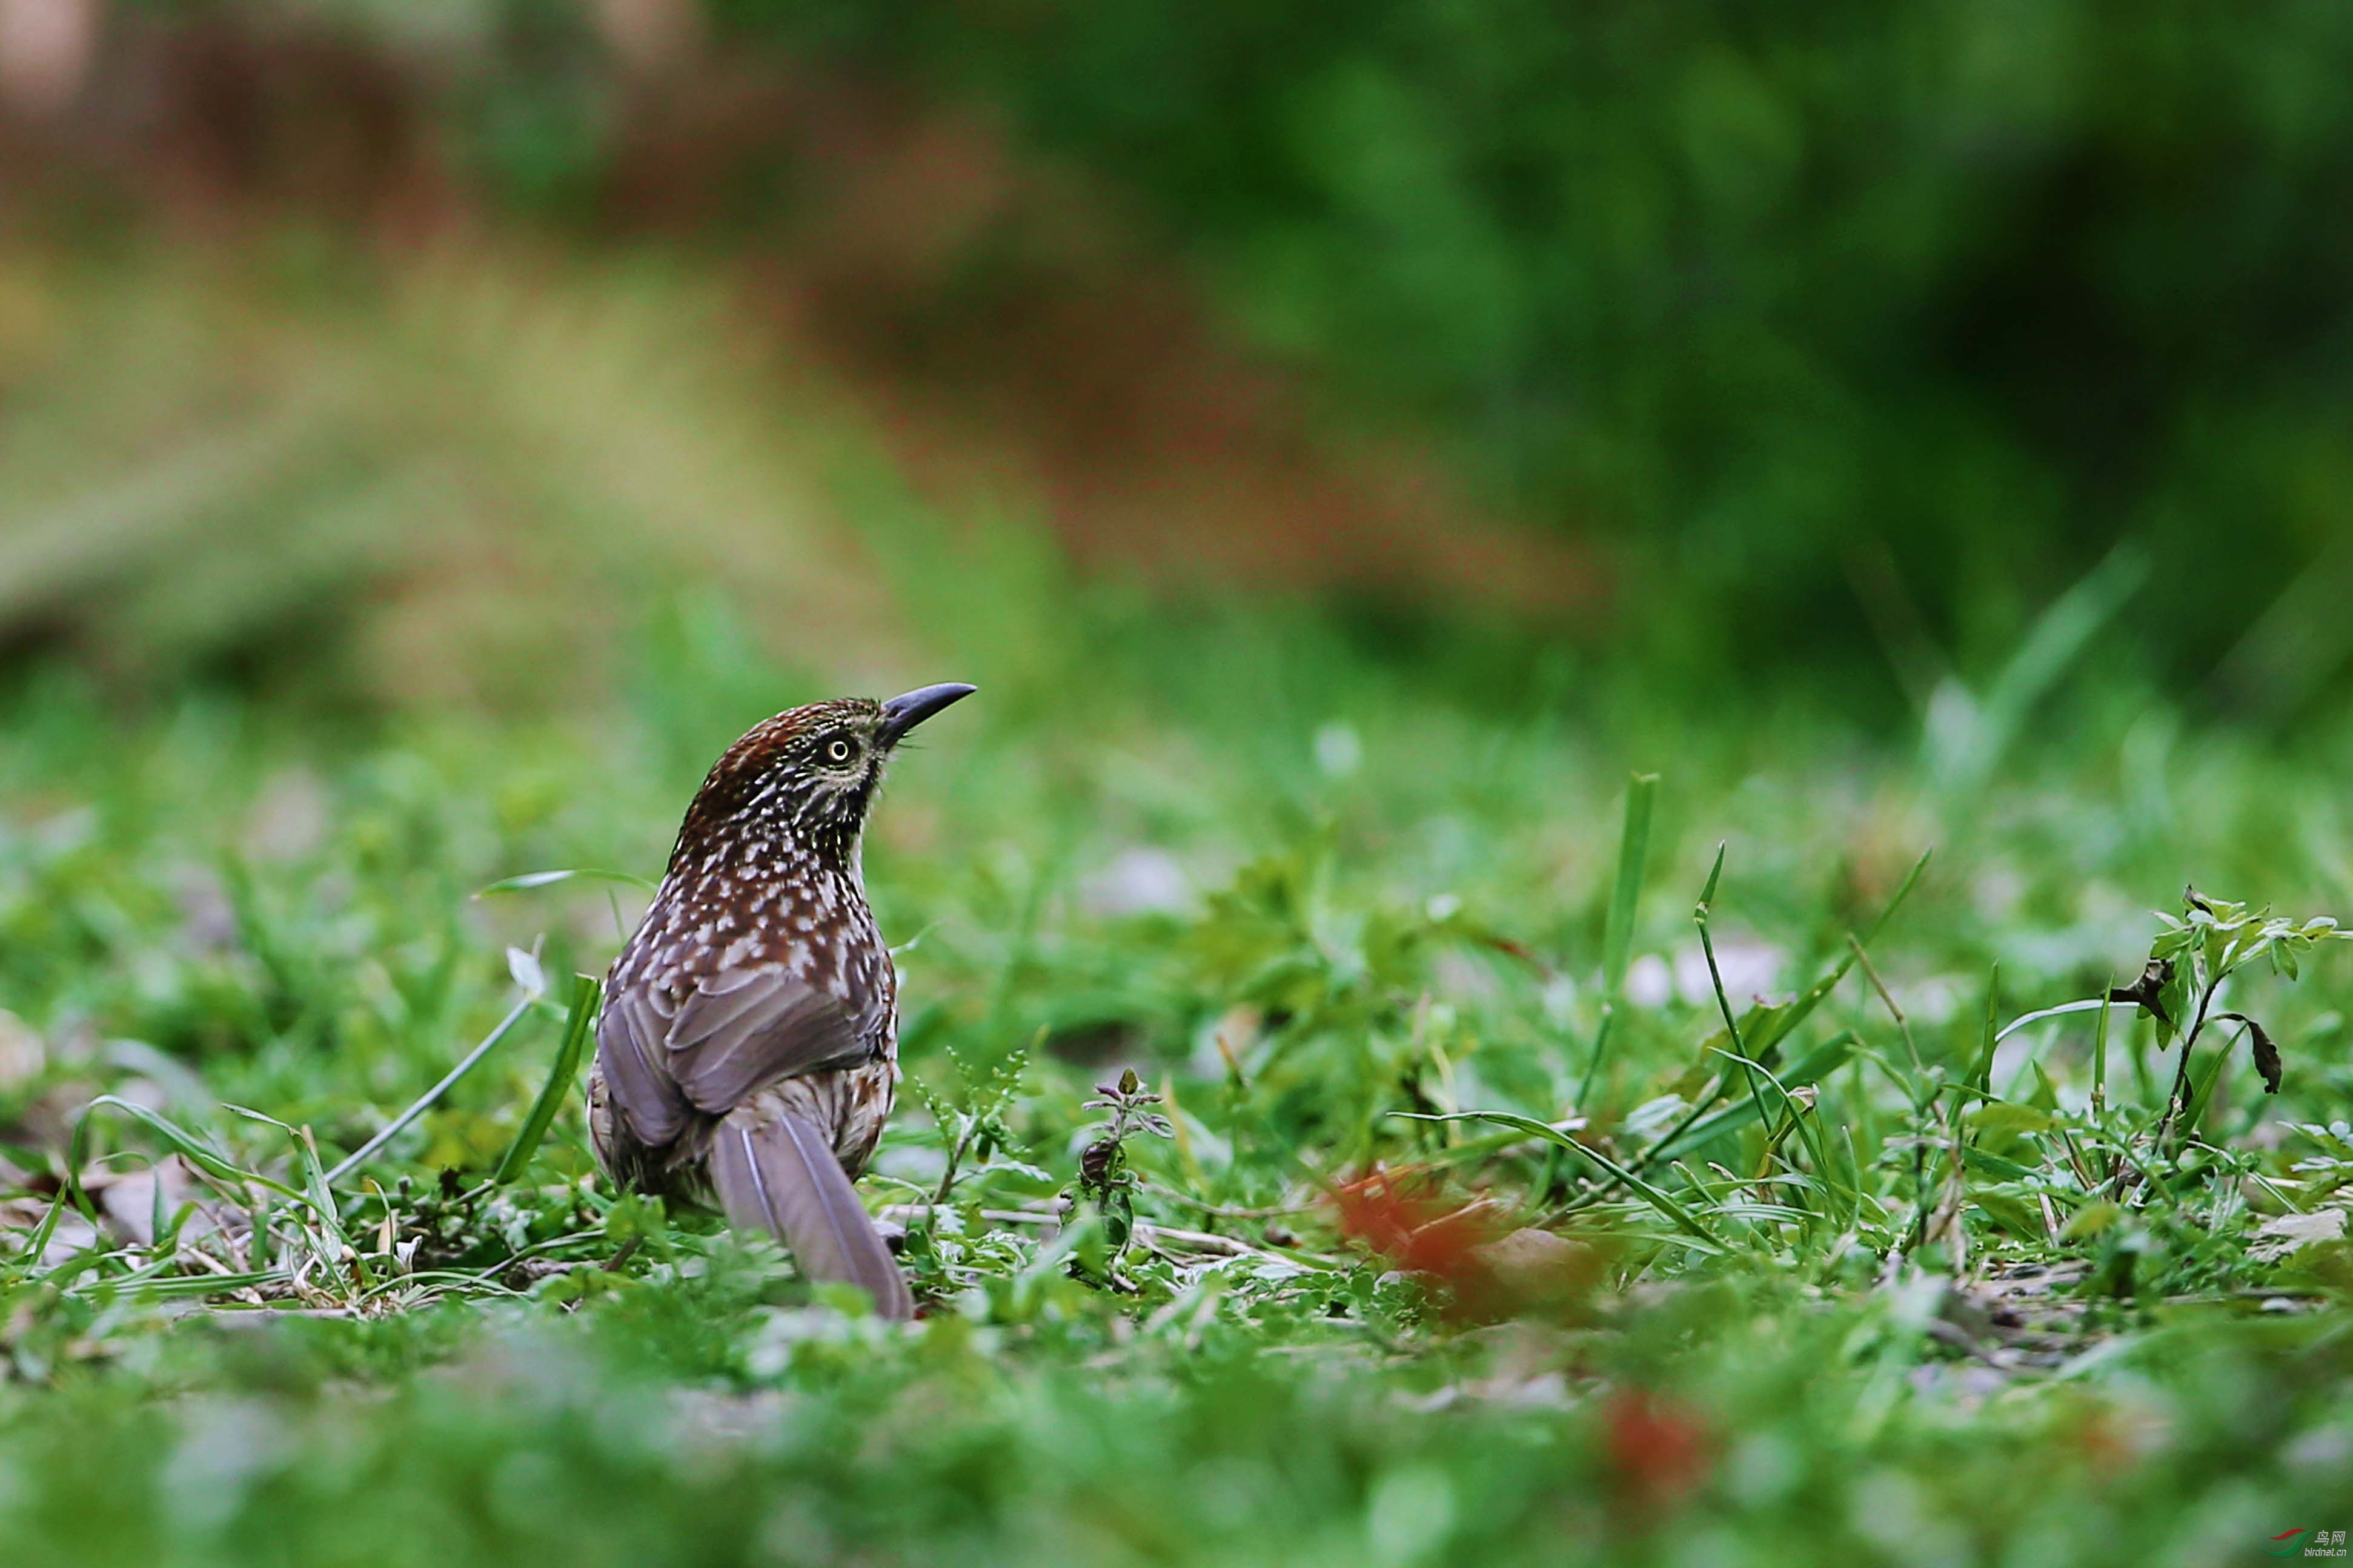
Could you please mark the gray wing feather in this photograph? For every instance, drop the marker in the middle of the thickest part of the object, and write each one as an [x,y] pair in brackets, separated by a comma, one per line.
[776,1173]
[734,1032]
[630,1054]
[743,1028]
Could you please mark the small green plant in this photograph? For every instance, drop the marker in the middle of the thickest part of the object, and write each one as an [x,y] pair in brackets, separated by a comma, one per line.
[2193,957]
[1104,1175]
[976,1129]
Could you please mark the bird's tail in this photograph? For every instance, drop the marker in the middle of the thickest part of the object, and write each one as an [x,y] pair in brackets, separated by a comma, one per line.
[776,1172]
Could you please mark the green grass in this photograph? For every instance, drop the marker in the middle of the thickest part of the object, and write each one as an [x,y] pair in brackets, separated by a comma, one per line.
[1341,910]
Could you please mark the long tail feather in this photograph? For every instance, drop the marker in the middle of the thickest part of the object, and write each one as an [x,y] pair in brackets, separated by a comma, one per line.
[776,1173]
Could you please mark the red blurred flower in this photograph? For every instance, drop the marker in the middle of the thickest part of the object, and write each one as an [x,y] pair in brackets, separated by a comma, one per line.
[1417,1231]
[1658,1450]
[1484,1271]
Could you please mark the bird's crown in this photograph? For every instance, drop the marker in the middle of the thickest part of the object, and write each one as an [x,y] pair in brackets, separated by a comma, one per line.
[807,775]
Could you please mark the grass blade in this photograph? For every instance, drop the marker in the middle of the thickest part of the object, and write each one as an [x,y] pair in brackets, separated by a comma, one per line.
[2100,1065]
[1780,1026]
[191,1147]
[1633,856]
[531,880]
[1617,936]
[196,1151]
[2061,1011]
[578,1029]
[1798,1115]
[1696,1132]
[1981,1076]
[315,1194]
[1682,1217]
[426,1100]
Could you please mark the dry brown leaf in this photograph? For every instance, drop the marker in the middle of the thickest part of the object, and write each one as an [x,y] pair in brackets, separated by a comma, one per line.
[2290,1233]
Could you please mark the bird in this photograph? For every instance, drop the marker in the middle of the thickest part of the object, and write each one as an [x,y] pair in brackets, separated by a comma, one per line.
[747,1045]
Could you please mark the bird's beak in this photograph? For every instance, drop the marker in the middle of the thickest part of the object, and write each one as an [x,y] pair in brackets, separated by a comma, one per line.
[901,714]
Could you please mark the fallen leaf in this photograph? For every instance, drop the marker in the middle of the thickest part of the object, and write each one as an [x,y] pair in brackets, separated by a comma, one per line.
[2289,1233]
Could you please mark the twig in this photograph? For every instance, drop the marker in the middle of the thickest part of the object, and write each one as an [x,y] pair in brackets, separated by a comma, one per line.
[1220,1211]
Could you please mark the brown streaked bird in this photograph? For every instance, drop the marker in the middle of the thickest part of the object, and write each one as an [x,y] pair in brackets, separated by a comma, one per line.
[747,1052]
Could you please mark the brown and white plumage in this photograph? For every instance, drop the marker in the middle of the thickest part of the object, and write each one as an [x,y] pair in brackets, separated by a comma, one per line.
[746,1055]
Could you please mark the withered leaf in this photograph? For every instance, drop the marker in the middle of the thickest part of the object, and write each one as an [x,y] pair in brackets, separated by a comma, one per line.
[2266,1054]
[2149,989]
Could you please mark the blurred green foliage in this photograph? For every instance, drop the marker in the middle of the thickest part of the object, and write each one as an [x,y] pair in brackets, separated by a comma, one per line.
[1950,296]
[1861,331]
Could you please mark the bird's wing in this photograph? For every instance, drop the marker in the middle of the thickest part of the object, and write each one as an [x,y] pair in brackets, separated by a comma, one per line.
[740,1028]
[633,1057]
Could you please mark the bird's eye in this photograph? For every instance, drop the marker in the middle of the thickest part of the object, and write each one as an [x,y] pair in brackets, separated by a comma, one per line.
[839,750]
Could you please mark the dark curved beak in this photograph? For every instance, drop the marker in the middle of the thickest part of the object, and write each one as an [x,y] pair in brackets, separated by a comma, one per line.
[901,714]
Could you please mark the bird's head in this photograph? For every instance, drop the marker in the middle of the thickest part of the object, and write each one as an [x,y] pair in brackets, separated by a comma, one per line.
[804,779]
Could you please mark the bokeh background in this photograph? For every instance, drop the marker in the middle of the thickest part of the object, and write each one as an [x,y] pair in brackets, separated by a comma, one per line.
[427,353]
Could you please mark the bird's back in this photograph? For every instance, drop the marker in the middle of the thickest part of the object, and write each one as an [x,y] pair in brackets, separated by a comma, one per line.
[784,966]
